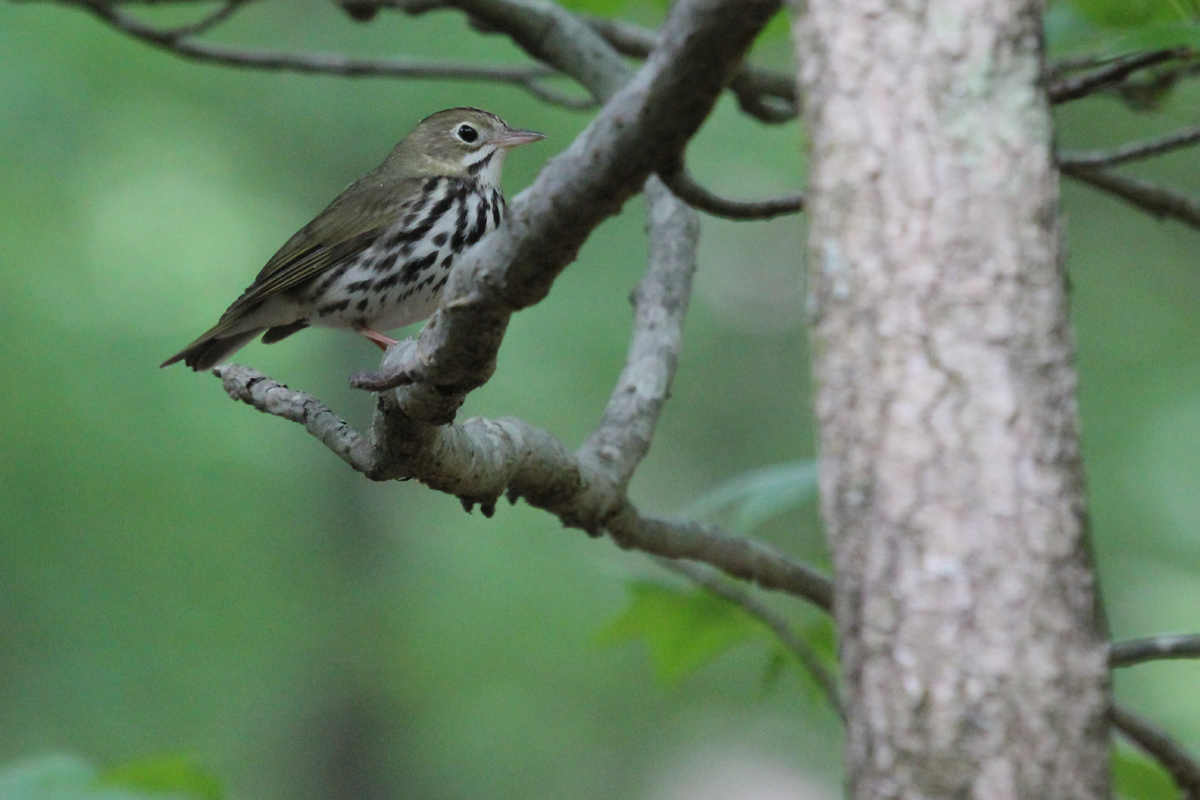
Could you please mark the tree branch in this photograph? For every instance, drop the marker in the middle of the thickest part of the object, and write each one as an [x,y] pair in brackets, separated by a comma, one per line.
[1138,651]
[481,460]
[177,41]
[695,195]
[1155,200]
[799,648]
[768,96]
[1147,148]
[1162,748]
[1064,89]
[660,303]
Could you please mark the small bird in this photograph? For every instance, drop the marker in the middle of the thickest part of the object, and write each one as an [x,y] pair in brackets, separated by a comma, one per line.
[378,256]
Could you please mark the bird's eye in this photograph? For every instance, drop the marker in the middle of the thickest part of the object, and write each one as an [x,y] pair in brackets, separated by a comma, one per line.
[467,133]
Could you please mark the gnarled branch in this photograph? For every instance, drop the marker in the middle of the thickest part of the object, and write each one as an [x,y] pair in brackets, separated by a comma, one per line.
[481,460]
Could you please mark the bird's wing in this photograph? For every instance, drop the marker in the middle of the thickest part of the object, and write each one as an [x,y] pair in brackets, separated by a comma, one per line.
[351,223]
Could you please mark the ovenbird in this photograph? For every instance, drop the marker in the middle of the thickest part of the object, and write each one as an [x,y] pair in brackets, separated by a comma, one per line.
[378,256]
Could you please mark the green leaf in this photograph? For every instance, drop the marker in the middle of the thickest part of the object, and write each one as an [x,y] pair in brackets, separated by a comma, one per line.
[1128,14]
[63,777]
[757,496]
[1138,778]
[821,636]
[777,661]
[684,629]
[169,774]
[1160,35]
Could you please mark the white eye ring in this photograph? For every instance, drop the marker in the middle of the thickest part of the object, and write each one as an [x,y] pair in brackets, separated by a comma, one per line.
[467,133]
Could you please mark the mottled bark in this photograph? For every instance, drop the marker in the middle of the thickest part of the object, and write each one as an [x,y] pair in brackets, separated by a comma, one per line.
[951,482]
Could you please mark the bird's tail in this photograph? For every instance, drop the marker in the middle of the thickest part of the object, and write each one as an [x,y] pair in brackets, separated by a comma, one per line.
[212,349]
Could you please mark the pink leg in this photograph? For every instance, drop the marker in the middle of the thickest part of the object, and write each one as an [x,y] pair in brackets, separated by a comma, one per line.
[383,342]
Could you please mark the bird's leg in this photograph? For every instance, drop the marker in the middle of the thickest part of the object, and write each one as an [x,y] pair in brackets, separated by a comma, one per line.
[383,342]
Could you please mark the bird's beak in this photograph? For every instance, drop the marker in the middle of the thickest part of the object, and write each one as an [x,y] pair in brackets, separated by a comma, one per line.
[514,136]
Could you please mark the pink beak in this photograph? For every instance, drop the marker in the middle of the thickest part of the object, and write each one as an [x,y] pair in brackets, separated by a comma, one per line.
[514,137]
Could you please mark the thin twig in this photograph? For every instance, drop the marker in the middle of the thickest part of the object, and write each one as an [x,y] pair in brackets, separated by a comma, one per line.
[531,78]
[1138,651]
[1157,744]
[801,649]
[1151,198]
[1147,148]
[204,24]
[695,195]
[1064,90]
[767,95]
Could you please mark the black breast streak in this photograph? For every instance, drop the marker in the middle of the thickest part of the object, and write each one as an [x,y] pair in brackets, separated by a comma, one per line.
[480,226]
[497,207]
[332,276]
[460,227]
[333,308]
[386,263]
[408,236]
[386,282]
[413,268]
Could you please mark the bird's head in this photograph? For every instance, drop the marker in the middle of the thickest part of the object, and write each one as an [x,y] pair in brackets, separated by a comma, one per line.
[465,143]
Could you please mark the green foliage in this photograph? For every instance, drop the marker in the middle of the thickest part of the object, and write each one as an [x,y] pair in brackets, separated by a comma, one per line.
[63,777]
[1136,777]
[1132,13]
[684,629]
[757,496]
[1118,27]
[166,773]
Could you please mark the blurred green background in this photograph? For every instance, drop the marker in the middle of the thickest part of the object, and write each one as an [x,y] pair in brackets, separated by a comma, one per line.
[180,574]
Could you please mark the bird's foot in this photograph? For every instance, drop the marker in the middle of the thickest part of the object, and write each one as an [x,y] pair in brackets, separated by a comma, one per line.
[381,341]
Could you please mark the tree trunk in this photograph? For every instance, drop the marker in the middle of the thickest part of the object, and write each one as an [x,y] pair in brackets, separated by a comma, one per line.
[951,482]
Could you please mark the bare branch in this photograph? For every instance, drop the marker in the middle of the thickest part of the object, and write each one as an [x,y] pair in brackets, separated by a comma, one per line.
[481,460]
[769,96]
[660,303]
[1138,651]
[736,556]
[695,195]
[1151,198]
[1161,747]
[257,390]
[799,648]
[553,35]
[223,12]
[1064,90]
[1147,148]
[531,78]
